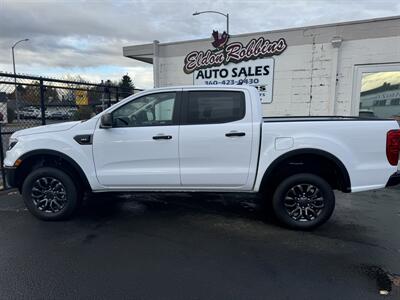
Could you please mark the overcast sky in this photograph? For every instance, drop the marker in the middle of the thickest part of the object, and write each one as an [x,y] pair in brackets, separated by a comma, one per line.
[69,37]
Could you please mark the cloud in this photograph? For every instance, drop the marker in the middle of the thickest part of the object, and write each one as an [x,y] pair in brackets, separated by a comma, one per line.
[69,37]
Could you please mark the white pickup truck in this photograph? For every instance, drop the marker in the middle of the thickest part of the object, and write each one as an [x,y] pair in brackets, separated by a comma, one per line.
[202,138]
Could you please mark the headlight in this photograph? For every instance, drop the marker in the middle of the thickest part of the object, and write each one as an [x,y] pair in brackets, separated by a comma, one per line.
[12,143]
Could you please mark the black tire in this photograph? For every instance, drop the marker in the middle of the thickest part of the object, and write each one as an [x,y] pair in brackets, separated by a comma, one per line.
[303,212]
[58,194]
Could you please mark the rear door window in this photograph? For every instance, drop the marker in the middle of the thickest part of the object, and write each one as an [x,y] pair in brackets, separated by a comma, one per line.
[212,107]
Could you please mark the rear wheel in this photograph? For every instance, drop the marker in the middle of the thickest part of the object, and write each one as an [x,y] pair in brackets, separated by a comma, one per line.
[50,194]
[303,201]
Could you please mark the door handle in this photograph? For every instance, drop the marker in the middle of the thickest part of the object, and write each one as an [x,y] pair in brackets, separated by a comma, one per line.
[162,137]
[234,133]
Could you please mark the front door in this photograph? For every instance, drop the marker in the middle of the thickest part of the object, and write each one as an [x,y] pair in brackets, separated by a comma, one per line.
[215,139]
[141,149]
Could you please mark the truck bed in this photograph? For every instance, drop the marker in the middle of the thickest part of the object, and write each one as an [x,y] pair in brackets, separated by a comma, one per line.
[360,144]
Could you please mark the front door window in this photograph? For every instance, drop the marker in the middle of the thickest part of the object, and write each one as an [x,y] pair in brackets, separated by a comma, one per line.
[150,110]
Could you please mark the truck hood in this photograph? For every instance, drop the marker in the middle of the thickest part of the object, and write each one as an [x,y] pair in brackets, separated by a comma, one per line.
[46,128]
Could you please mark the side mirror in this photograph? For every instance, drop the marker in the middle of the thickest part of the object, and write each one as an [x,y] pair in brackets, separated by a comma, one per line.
[106,121]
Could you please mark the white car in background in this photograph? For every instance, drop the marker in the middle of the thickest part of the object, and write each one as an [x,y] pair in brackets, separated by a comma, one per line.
[29,113]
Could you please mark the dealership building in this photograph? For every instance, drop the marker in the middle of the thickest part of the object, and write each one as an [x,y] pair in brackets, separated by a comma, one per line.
[346,68]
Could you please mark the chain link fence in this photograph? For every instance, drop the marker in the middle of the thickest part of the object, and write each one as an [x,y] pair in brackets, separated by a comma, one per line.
[29,101]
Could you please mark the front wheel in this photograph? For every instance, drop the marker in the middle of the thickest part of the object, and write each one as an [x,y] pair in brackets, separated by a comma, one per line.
[303,201]
[50,194]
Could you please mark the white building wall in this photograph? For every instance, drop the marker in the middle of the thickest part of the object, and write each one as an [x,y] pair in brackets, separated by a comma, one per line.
[171,72]
[305,77]
[301,71]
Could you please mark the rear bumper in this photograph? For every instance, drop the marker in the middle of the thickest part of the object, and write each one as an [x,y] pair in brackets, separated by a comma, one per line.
[394,179]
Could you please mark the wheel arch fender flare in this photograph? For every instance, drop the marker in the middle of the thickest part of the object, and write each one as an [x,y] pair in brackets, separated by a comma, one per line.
[61,155]
[310,151]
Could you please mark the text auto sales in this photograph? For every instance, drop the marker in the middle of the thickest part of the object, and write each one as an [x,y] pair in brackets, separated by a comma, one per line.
[248,72]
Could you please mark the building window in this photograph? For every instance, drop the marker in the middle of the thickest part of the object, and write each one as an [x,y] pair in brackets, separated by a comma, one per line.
[379,91]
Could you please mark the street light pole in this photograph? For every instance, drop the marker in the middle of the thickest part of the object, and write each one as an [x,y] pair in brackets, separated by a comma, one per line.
[15,74]
[227,24]
[215,12]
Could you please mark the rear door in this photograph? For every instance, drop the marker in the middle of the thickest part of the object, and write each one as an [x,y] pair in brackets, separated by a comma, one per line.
[215,139]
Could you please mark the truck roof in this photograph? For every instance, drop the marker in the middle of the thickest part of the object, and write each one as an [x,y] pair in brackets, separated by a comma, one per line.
[200,87]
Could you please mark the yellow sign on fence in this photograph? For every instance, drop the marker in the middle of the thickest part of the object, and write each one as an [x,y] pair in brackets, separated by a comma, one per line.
[81,98]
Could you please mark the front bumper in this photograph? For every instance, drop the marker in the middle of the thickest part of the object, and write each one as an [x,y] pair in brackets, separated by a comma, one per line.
[394,179]
[11,180]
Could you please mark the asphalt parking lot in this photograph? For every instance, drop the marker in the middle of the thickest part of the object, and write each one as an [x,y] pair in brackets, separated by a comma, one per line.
[204,246]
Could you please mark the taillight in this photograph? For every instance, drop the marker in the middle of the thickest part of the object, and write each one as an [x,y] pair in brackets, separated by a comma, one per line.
[393,146]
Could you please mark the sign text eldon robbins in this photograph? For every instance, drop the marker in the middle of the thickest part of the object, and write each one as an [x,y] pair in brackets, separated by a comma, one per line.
[252,64]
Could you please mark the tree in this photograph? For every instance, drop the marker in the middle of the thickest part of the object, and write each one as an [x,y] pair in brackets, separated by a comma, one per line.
[30,94]
[51,95]
[126,86]
[95,94]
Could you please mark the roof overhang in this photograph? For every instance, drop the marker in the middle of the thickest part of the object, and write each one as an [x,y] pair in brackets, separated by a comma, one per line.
[142,53]
[145,52]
